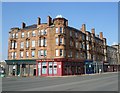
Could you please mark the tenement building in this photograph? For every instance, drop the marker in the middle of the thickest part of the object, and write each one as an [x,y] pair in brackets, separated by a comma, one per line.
[112,59]
[54,49]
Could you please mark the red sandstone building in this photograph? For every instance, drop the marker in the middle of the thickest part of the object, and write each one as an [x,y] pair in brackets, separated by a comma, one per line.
[53,49]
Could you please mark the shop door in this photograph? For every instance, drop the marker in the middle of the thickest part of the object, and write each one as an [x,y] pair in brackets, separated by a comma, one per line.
[54,68]
[50,68]
[39,69]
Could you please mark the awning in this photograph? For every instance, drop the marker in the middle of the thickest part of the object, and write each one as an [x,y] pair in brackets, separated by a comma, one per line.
[22,61]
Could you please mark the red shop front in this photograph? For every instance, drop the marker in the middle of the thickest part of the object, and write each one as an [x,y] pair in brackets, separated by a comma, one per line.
[59,67]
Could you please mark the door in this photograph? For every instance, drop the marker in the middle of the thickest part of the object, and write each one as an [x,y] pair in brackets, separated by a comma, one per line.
[39,69]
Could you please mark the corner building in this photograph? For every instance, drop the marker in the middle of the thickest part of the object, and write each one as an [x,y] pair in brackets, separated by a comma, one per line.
[53,49]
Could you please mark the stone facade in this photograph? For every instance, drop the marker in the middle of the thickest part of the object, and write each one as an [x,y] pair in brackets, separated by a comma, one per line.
[55,40]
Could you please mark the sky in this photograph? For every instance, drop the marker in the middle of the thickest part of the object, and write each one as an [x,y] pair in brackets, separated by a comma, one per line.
[101,16]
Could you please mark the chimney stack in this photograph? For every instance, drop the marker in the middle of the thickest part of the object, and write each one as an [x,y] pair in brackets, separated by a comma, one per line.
[38,21]
[101,35]
[93,31]
[23,25]
[49,20]
[83,28]
[67,23]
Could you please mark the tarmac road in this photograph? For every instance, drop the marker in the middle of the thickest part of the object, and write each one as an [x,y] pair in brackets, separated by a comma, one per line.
[97,82]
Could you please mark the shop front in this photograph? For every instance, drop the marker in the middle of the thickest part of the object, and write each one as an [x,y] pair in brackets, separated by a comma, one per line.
[89,67]
[21,67]
[59,67]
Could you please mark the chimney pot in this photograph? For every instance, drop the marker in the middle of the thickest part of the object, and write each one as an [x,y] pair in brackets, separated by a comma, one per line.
[38,21]
[101,35]
[23,25]
[49,20]
[93,30]
[83,28]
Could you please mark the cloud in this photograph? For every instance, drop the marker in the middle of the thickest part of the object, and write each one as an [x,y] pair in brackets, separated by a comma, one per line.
[115,43]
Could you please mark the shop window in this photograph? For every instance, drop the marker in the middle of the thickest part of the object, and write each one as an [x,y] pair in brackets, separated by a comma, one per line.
[50,68]
[44,68]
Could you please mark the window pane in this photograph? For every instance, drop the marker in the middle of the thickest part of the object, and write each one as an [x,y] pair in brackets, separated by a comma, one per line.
[16,35]
[22,45]
[57,42]
[61,30]
[57,53]
[33,33]
[42,42]
[15,44]
[56,30]
[33,53]
[22,35]
[33,43]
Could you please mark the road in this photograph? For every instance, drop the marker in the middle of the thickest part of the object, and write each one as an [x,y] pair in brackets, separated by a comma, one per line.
[97,82]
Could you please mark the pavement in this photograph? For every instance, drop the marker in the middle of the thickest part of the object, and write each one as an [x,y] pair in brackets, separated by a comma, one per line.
[92,82]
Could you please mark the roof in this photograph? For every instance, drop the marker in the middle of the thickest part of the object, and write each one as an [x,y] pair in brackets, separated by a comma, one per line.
[30,27]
